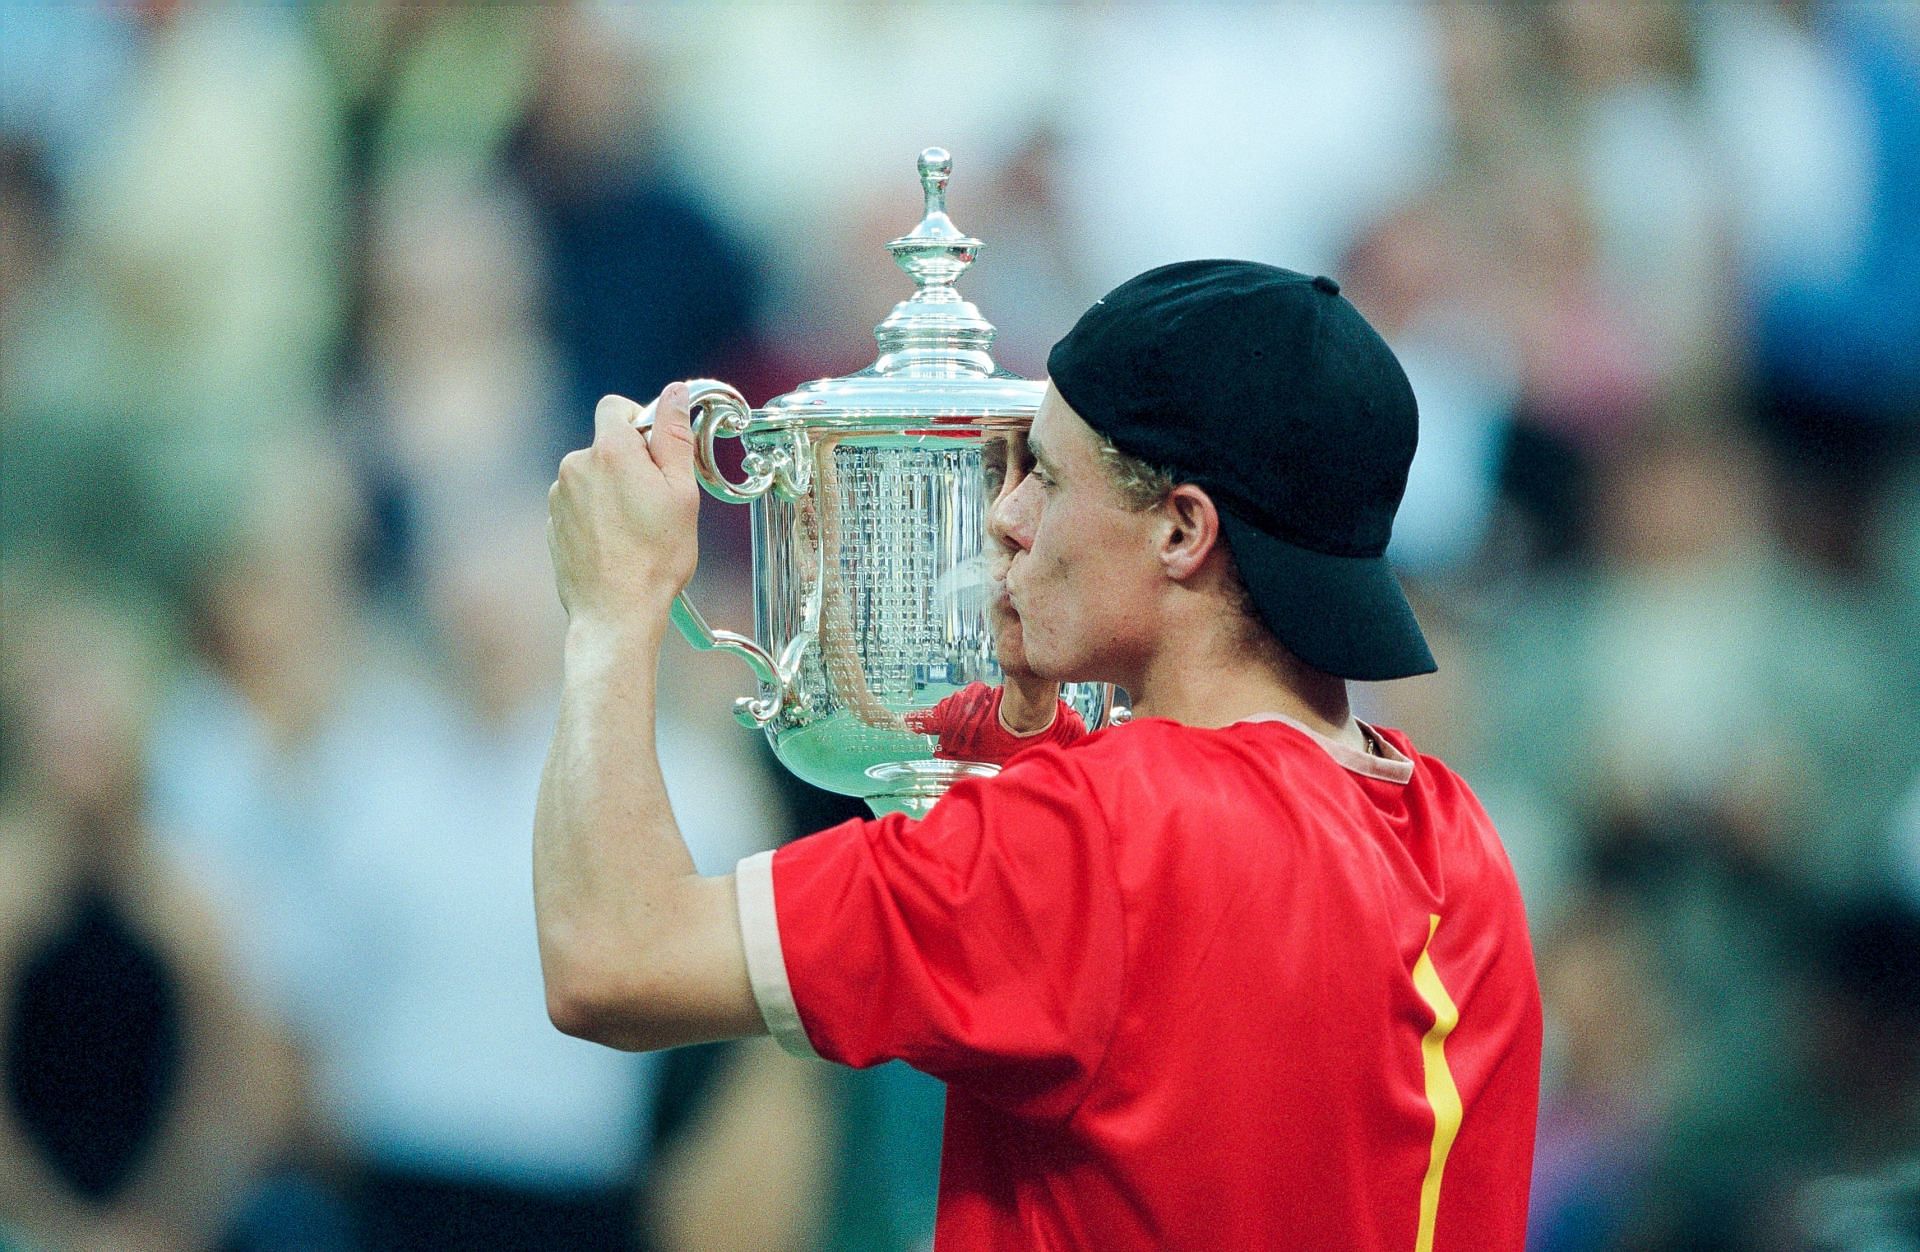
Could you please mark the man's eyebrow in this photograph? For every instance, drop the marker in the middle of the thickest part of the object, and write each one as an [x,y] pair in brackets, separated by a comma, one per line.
[1035,452]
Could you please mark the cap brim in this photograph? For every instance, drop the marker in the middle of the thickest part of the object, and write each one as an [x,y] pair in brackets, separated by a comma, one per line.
[1343,615]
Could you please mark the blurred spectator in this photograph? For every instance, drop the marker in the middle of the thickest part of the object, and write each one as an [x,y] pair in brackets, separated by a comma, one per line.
[458,382]
[1819,109]
[67,481]
[29,214]
[1185,142]
[1818,1151]
[474,1123]
[1586,376]
[749,1172]
[1795,138]
[463,375]
[479,1125]
[1686,557]
[1647,167]
[293,707]
[1842,333]
[208,217]
[1722,938]
[434,86]
[424,92]
[141,1093]
[1030,280]
[1861,1036]
[1415,274]
[645,283]
[1606,1036]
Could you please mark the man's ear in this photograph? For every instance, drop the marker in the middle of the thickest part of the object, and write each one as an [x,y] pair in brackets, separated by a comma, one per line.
[1190,530]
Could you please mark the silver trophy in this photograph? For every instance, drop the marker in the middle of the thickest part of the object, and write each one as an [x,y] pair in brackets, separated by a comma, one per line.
[873,574]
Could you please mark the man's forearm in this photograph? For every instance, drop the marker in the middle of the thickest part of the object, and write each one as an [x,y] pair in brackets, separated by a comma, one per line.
[607,855]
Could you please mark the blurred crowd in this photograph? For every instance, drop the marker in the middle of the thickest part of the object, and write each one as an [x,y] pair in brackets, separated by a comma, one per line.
[300,304]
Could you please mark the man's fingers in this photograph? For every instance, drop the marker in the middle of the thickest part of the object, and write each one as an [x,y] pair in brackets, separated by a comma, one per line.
[667,431]
[613,420]
[672,438]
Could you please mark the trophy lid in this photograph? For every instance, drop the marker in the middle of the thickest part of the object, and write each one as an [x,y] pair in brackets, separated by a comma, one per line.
[934,361]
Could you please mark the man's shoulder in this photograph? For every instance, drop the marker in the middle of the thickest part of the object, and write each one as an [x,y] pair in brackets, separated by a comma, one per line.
[1160,756]
[1146,760]
[1433,775]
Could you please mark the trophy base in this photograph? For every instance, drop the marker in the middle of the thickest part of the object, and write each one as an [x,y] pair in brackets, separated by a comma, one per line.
[911,787]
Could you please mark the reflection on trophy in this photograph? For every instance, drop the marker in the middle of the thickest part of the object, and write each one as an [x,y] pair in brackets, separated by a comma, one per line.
[973,724]
[875,590]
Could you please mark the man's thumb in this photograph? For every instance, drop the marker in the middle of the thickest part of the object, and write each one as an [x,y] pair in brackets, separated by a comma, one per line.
[672,438]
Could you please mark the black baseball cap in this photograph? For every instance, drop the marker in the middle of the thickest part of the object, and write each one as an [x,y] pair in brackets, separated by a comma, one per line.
[1267,388]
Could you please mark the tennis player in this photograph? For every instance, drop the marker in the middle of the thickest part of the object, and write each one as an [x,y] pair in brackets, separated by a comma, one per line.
[1244,973]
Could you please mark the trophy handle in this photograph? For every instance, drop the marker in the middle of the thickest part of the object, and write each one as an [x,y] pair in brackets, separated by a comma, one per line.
[747,710]
[714,410]
[717,411]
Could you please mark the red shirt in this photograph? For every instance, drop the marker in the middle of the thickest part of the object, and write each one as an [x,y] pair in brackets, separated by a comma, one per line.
[1190,989]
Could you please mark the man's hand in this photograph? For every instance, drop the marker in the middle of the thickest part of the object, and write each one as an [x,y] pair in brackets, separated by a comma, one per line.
[621,517]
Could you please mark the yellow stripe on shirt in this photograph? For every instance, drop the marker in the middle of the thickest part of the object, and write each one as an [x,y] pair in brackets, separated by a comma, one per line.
[1442,1096]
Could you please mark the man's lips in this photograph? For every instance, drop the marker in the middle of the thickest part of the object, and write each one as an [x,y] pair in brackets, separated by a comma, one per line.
[1001,576]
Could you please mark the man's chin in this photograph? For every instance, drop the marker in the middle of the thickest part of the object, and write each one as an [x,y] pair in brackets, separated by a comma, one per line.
[1009,645]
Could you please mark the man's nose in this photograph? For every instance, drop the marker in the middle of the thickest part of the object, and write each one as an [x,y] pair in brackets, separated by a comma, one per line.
[1006,519]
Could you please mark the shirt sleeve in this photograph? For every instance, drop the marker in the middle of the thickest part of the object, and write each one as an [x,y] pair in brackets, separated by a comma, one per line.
[983,944]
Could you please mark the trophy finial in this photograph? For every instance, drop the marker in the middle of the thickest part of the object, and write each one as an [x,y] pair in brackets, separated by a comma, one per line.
[934,328]
[936,167]
[936,251]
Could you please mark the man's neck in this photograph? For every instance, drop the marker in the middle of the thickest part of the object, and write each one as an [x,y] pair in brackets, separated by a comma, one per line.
[1206,688]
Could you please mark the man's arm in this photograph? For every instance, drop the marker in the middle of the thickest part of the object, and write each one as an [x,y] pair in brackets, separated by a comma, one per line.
[638,950]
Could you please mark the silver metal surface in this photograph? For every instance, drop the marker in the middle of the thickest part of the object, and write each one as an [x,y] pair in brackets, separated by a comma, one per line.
[869,496]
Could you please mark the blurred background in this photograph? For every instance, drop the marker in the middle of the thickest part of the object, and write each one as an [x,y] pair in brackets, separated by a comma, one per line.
[300,304]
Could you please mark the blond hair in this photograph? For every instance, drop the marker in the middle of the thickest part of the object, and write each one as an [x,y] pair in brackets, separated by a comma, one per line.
[1142,485]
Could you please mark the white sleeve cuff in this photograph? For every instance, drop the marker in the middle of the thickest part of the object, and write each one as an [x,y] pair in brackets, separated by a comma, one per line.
[766,963]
